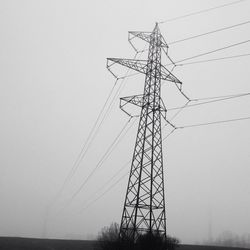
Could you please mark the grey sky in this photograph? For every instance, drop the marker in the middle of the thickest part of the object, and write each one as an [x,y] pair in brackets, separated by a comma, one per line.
[53,83]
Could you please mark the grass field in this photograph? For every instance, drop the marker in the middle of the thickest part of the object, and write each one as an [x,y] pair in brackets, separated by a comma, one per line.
[11,243]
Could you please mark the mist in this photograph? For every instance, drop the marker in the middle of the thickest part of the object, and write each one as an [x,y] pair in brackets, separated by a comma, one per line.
[53,84]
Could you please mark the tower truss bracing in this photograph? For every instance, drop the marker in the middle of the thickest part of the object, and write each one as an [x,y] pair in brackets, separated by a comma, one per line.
[144,206]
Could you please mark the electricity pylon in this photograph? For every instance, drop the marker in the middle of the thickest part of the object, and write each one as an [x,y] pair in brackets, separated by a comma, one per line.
[144,206]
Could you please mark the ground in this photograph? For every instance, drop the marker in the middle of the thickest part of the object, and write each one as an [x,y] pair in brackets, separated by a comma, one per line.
[10,243]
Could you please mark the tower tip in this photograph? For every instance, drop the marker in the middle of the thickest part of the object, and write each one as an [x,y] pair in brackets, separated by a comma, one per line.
[156,26]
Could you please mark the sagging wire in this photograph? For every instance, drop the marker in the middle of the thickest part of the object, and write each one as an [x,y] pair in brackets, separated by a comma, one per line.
[212,51]
[214,99]
[201,11]
[209,32]
[114,184]
[99,164]
[215,122]
[215,59]
[92,134]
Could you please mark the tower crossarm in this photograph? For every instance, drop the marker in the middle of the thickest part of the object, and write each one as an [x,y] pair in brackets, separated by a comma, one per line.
[137,65]
[141,67]
[146,36]
[168,76]
[139,100]
[135,99]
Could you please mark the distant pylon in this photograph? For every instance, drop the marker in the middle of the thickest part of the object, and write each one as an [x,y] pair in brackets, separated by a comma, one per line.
[144,206]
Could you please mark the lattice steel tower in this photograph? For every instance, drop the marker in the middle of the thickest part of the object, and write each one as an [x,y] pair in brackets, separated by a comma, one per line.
[144,206]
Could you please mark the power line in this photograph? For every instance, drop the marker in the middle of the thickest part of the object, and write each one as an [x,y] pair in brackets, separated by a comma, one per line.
[106,191]
[168,134]
[214,59]
[95,129]
[120,88]
[202,34]
[220,96]
[180,90]
[187,126]
[113,185]
[186,105]
[114,144]
[182,127]
[180,110]
[210,32]
[201,11]
[110,179]
[177,63]
[101,188]
[217,100]
[97,165]
[212,51]
[93,132]
[215,122]
[88,204]
[101,122]
[109,108]
[76,163]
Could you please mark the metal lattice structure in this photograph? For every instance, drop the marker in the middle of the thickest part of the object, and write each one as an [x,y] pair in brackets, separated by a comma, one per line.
[144,206]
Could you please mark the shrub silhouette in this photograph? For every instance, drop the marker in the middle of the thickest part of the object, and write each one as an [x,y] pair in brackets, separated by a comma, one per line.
[108,239]
[156,241]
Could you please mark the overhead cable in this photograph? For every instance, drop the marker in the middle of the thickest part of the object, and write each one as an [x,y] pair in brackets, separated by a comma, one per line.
[201,11]
[110,106]
[211,51]
[182,127]
[210,32]
[180,109]
[105,192]
[97,165]
[93,132]
[83,149]
[115,183]
[215,122]
[214,99]
[214,59]
[109,180]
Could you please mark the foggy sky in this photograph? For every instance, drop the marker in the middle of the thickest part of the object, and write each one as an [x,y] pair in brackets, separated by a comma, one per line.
[53,84]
